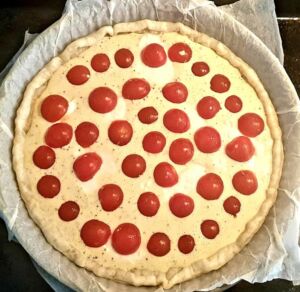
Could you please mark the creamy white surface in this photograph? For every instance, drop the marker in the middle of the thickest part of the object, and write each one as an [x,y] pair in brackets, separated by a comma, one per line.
[85,194]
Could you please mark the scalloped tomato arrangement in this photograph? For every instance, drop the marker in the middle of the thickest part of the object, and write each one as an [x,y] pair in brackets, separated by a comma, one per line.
[126,237]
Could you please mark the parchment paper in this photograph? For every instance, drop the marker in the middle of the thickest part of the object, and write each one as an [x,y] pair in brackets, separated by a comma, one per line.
[274,251]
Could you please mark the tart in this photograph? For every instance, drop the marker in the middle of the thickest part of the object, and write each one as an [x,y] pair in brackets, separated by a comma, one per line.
[147,153]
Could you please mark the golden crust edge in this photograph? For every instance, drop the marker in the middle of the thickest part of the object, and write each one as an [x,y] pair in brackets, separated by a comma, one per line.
[146,277]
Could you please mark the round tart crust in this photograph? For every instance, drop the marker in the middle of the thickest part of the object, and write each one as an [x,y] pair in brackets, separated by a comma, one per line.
[139,270]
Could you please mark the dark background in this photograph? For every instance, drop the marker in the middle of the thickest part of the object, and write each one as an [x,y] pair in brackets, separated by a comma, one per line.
[16,16]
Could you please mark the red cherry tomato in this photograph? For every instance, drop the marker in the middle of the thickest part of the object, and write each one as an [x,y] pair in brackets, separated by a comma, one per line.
[43,157]
[154,142]
[126,239]
[87,165]
[148,115]
[210,186]
[220,83]
[148,204]
[165,175]
[135,88]
[120,132]
[110,197]
[175,92]
[154,55]
[200,69]
[186,244]
[233,103]
[124,58]
[100,62]
[133,165]
[95,233]
[102,100]
[208,107]
[207,140]
[86,134]
[245,182]
[251,124]
[58,135]
[78,75]
[68,211]
[54,107]
[176,121]
[48,186]
[180,53]
[240,149]
[159,244]
[232,205]
[181,205]
[181,151]
[210,229]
